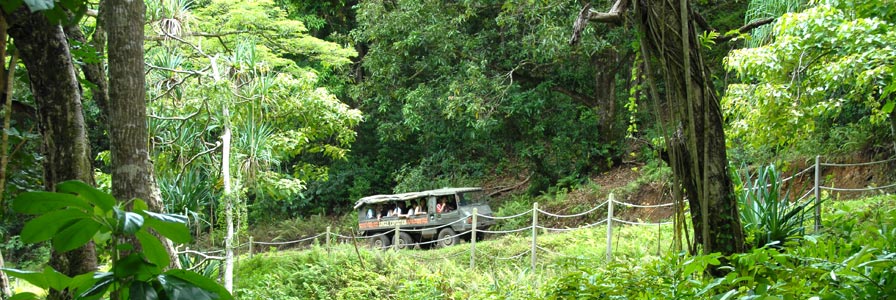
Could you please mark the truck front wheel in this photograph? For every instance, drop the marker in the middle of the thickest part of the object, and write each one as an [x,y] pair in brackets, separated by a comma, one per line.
[447,237]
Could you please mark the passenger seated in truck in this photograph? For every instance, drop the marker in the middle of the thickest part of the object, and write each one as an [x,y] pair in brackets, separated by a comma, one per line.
[370,213]
[419,209]
[443,207]
[397,211]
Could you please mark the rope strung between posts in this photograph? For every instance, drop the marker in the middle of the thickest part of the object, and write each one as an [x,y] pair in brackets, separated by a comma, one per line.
[574,215]
[205,255]
[505,231]
[571,229]
[798,174]
[639,223]
[290,242]
[507,217]
[857,189]
[643,206]
[858,164]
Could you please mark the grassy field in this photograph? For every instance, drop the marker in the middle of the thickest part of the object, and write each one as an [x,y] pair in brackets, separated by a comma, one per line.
[853,256]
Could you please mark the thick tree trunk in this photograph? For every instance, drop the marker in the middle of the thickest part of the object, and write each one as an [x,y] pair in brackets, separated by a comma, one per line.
[695,137]
[605,94]
[45,53]
[132,173]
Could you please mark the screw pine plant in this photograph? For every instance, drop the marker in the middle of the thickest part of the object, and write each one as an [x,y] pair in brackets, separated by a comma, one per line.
[78,214]
[769,216]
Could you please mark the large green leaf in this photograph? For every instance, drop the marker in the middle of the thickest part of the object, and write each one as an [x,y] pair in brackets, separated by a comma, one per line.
[35,278]
[128,222]
[25,296]
[179,285]
[75,235]
[103,282]
[99,198]
[56,280]
[134,265]
[48,279]
[169,225]
[143,291]
[35,203]
[10,5]
[153,249]
[200,281]
[45,227]
[82,283]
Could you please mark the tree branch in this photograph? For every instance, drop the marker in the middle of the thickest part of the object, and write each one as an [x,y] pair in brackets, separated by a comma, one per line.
[614,16]
[744,29]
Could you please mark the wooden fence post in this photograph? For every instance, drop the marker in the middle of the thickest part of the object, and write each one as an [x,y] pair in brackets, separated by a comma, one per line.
[817,192]
[534,231]
[328,240]
[395,237]
[610,228]
[473,240]
[251,241]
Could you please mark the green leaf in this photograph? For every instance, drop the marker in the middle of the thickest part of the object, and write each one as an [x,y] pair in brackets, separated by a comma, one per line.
[140,205]
[153,249]
[198,281]
[171,226]
[44,227]
[888,108]
[75,235]
[35,203]
[56,280]
[35,278]
[134,265]
[103,282]
[102,200]
[128,222]
[82,282]
[142,290]
[24,296]
[11,5]
[36,5]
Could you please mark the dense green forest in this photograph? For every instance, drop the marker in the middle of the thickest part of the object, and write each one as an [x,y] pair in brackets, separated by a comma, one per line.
[135,130]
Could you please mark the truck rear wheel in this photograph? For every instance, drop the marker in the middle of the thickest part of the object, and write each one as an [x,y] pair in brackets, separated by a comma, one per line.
[447,237]
[379,242]
[405,240]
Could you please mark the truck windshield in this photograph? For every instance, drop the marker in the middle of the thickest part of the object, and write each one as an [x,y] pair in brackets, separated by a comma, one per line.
[471,198]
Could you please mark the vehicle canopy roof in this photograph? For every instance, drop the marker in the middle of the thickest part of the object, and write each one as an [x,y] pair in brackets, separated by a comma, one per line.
[413,195]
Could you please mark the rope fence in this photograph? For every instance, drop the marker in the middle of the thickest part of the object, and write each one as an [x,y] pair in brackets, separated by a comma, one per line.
[533,227]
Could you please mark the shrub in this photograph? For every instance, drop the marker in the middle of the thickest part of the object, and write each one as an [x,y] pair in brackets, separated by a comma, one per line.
[770,217]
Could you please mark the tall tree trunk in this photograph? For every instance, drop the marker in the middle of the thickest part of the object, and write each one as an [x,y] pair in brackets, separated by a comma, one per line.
[6,80]
[45,53]
[695,137]
[228,203]
[605,94]
[132,173]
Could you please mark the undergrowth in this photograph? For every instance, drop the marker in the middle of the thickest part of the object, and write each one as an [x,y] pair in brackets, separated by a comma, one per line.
[851,258]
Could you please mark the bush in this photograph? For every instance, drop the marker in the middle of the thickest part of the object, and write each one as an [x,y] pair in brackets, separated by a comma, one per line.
[769,216]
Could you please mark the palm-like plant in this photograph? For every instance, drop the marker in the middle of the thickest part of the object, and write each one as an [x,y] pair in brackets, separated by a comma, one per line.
[769,216]
[761,9]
